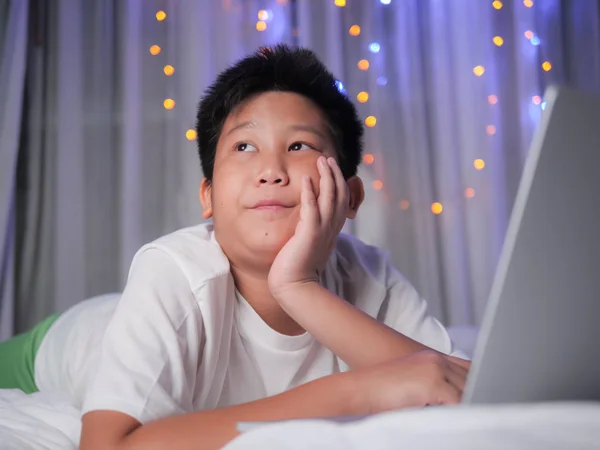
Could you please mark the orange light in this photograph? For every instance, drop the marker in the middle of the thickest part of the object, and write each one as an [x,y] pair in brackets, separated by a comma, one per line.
[263,15]
[498,41]
[362,97]
[340,3]
[497,4]
[528,3]
[363,64]
[490,129]
[368,159]
[155,50]
[469,192]
[377,185]
[536,99]
[492,99]
[261,26]
[437,208]
[169,70]
[404,205]
[281,2]
[370,121]
[161,15]
[479,164]
[169,103]
[529,34]
[190,134]
[478,70]
[546,66]
[354,30]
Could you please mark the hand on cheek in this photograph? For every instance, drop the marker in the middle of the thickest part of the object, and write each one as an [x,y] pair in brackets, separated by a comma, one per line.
[321,220]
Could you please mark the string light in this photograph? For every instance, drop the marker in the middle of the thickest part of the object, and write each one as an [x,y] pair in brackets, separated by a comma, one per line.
[362,97]
[377,185]
[155,50]
[169,70]
[354,30]
[498,41]
[469,192]
[529,34]
[492,99]
[368,159]
[478,70]
[546,66]
[385,2]
[340,3]
[497,4]
[191,135]
[161,15]
[363,64]
[490,129]
[263,15]
[169,103]
[528,3]
[479,164]
[536,99]
[340,86]
[370,121]
[437,208]
[261,25]
[404,205]
[374,47]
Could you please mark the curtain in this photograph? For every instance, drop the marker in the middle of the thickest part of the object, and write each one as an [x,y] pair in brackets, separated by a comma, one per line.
[455,88]
[13,40]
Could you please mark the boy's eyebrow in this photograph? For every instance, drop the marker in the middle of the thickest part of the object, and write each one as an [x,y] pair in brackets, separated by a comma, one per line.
[308,128]
[245,124]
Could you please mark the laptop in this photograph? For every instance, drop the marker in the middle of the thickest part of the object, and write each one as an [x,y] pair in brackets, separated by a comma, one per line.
[540,336]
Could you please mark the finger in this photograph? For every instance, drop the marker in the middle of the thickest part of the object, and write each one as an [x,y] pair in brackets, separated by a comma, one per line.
[445,393]
[327,192]
[342,199]
[457,376]
[309,211]
[464,363]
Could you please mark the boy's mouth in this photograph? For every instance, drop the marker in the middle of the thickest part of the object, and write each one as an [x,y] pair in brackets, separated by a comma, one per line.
[271,205]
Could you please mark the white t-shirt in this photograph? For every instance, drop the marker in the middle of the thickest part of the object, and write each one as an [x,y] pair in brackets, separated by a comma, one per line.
[180,338]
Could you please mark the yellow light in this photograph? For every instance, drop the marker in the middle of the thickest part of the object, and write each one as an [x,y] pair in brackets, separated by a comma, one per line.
[169,103]
[155,50]
[529,34]
[377,185]
[368,159]
[340,3]
[479,164]
[437,208]
[546,66]
[528,3]
[354,30]
[362,97]
[492,99]
[161,15]
[261,26]
[536,99]
[363,64]
[469,192]
[370,121]
[404,205]
[190,134]
[490,129]
[498,41]
[497,4]
[263,15]
[478,70]
[169,70]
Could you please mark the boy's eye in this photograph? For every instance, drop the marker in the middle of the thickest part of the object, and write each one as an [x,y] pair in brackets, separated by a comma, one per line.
[245,147]
[298,146]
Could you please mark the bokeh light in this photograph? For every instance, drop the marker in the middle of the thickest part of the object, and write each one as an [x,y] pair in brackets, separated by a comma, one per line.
[370,121]
[161,15]
[497,4]
[261,25]
[363,64]
[437,208]
[169,70]
[377,185]
[368,159]
[469,192]
[492,99]
[546,66]
[498,41]
[478,70]
[479,164]
[490,129]
[354,30]
[190,134]
[362,97]
[169,103]
[155,50]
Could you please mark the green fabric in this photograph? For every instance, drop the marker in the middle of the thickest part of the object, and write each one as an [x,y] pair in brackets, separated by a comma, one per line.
[17,357]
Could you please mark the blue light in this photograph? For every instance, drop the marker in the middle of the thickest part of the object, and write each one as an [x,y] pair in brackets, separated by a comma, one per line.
[385,2]
[543,105]
[381,81]
[374,47]
[535,40]
[340,86]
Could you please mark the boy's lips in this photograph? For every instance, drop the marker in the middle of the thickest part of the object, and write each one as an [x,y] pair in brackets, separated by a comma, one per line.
[271,205]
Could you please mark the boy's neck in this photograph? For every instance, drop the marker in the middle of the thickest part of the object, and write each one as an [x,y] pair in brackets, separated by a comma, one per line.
[254,287]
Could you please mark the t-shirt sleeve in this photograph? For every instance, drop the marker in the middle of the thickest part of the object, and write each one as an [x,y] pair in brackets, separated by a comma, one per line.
[405,311]
[152,345]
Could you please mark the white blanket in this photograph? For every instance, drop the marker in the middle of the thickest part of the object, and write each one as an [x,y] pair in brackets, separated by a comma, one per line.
[51,421]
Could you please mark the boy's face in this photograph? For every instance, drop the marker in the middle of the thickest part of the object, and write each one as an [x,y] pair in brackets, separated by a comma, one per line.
[265,148]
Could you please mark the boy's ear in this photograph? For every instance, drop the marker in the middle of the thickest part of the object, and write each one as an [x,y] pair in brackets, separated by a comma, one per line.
[357,195]
[205,198]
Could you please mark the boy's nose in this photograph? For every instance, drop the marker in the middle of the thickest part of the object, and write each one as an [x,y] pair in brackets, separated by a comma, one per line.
[273,176]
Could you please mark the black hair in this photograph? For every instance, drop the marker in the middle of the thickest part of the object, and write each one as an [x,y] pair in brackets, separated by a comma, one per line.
[286,69]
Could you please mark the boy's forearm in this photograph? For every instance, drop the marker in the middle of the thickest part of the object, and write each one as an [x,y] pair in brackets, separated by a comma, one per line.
[335,395]
[354,336]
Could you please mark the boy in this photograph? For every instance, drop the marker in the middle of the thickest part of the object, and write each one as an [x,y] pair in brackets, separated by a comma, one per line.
[269,313]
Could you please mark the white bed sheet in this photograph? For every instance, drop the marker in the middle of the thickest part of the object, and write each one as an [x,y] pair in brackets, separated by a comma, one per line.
[51,421]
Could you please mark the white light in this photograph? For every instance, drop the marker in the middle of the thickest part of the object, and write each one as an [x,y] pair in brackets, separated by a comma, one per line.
[374,47]
[385,2]
[340,86]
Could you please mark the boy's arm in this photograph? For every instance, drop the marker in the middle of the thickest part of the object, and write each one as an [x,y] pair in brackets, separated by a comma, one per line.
[354,336]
